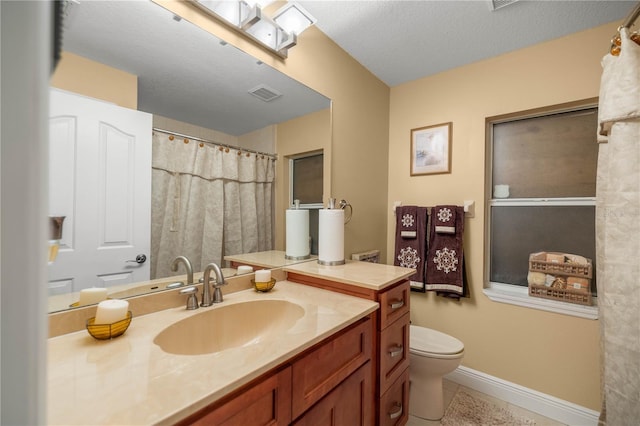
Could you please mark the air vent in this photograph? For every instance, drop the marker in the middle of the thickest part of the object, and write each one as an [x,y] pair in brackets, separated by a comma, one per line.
[498,4]
[265,93]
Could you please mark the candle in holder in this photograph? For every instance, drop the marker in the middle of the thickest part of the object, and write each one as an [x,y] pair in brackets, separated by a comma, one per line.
[263,276]
[110,311]
[91,296]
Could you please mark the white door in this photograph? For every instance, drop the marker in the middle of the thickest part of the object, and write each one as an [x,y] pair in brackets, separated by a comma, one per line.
[100,179]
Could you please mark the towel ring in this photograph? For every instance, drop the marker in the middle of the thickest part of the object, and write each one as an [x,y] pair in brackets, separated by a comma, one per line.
[343,204]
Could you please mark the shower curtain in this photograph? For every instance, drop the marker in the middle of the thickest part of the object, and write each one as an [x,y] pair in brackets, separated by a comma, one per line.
[618,234]
[207,202]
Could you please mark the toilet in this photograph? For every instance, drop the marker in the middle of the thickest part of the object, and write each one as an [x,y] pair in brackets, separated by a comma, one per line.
[432,354]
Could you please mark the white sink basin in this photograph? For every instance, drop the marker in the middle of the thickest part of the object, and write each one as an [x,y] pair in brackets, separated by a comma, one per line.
[223,327]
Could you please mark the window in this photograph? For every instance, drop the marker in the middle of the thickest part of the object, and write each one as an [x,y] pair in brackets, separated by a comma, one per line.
[306,185]
[306,180]
[542,183]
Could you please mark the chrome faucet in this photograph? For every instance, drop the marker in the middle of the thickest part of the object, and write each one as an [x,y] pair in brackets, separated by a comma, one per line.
[187,265]
[207,299]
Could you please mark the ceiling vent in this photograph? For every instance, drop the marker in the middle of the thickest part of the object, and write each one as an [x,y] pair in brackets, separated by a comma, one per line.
[498,4]
[265,93]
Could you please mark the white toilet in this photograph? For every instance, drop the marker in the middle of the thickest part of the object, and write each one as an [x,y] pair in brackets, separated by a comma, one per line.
[432,354]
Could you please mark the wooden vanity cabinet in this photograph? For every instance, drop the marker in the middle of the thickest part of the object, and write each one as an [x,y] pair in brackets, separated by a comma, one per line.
[330,383]
[390,344]
[266,402]
[349,404]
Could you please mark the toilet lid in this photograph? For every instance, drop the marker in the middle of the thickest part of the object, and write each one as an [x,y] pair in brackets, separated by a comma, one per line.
[431,341]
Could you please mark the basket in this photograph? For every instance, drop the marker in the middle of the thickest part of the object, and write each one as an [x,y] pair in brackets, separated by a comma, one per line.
[108,331]
[566,295]
[538,263]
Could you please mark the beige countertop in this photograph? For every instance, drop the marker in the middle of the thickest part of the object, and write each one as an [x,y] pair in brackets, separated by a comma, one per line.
[130,381]
[266,259]
[374,276]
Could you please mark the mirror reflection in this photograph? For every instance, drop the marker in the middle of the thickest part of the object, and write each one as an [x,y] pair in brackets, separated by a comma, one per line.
[202,149]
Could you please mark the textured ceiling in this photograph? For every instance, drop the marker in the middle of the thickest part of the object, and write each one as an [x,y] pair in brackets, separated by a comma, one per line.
[183,72]
[400,41]
[186,74]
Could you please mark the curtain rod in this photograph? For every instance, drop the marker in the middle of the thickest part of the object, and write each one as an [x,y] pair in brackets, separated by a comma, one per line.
[181,135]
[631,18]
[628,23]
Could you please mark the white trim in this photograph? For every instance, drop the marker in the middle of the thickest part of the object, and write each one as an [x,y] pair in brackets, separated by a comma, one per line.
[567,201]
[518,295]
[546,405]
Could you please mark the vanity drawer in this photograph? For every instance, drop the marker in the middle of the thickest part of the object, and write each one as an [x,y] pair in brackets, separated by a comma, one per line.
[319,371]
[394,404]
[394,304]
[394,351]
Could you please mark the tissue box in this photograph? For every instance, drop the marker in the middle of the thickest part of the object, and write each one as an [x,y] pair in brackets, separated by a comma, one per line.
[579,284]
[555,258]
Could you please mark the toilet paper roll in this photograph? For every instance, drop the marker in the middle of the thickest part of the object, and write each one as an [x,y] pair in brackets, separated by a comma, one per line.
[331,237]
[297,243]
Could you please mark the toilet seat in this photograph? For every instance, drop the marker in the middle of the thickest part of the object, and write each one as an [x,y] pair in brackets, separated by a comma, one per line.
[434,344]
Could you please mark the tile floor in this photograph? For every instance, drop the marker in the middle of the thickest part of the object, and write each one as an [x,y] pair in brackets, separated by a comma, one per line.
[450,389]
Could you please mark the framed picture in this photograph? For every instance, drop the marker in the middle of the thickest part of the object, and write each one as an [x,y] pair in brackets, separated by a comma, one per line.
[431,149]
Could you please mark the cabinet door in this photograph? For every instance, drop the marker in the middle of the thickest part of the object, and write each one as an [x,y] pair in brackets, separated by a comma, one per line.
[394,351]
[266,403]
[322,369]
[394,404]
[349,404]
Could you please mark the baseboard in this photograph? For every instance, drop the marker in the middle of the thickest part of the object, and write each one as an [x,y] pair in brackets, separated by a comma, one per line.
[546,405]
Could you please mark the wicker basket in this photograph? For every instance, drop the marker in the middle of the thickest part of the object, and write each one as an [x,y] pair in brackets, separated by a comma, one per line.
[566,295]
[538,263]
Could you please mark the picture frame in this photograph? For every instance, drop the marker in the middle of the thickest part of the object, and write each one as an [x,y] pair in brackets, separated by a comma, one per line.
[431,149]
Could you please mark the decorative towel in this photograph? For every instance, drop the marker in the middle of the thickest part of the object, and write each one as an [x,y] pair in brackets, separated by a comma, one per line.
[444,218]
[445,272]
[411,252]
[408,222]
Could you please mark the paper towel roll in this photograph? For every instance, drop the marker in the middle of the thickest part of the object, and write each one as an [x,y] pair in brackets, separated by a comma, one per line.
[297,244]
[331,237]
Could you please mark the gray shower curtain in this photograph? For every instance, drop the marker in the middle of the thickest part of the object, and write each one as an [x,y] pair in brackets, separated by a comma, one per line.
[207,202]
[618,234]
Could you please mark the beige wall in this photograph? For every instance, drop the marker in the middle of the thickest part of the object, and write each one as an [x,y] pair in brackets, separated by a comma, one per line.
[551,353]
[80,75]
[360,120]
[310,133]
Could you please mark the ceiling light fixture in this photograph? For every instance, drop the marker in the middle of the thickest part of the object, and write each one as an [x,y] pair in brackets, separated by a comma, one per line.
[293,18]
[278,34]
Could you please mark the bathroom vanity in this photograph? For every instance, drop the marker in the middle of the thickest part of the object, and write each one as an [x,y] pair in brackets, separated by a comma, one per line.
[389,286]
[326,357]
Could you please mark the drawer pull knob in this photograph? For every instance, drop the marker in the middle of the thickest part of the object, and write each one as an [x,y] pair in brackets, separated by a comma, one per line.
[397,304]
[397,412]
[396,351]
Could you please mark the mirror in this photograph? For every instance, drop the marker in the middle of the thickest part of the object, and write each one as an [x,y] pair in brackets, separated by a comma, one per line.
[188,76]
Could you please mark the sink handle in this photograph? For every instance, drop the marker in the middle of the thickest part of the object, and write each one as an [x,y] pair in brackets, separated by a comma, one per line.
[192,300]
